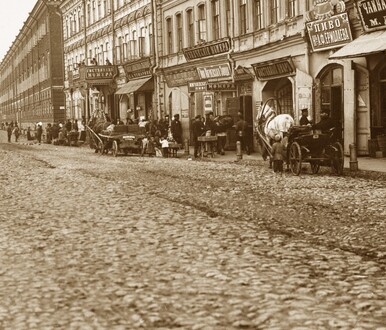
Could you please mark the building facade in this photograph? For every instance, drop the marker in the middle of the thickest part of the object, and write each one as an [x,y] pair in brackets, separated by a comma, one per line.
[108,51]
[236,56]
[31,87]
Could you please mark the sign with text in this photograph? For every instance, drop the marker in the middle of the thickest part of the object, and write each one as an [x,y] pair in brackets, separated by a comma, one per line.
[180,78]
[197,86]
[221,86]
[138,69]
[329,33]
[209,49]
[373,14]
[282,67]
[100,72]
[215,71]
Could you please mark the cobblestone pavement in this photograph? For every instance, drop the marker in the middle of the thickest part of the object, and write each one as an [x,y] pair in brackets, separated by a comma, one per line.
[96,242]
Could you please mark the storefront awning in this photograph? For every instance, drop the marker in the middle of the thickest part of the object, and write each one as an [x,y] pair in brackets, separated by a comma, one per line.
[366,44]
[144,84]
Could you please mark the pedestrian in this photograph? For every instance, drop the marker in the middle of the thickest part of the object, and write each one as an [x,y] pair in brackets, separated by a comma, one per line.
[29,134]
[39,132]
[49,133]
[198,129]
[241,132]
[304,119]
[278,155]
[16,132]
[165,147]
[176,129]
[9,132]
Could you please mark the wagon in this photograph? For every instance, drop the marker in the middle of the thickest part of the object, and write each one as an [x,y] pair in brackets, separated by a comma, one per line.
[123,139]
[314,147]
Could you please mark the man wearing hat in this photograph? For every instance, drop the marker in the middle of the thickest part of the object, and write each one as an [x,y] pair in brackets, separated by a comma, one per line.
[304,120]
[325,123]
[176,129]
[198,129]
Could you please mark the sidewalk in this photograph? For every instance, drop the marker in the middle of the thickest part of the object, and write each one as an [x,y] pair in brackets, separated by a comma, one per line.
[364,163]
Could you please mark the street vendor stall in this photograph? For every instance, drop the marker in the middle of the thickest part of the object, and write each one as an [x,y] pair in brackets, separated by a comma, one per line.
[207,145]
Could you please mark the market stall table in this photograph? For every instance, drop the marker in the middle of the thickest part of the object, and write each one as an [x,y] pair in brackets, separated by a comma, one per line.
[207,145]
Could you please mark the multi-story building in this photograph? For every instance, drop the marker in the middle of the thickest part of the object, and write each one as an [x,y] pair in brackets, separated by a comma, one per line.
[236,56]
[108,58]
[31,86]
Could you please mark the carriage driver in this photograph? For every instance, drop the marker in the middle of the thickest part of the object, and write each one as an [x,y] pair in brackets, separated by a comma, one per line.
[325,123]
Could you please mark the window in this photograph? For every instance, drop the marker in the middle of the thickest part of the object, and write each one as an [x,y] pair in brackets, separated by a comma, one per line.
[120,50]
[141,45]
[88,14]
[258,14]
[228,17]
[93,12]
[179,31]
[243,17]
[169,35]
[151,39]
[201,23]
[102,55]
[216,19]
[274,11]
[133,45]
[291,5]
[105,8]
[99,9]
[125,48]
[190,24]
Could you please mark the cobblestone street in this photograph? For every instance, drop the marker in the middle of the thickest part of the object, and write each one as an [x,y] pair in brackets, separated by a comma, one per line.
[97,242]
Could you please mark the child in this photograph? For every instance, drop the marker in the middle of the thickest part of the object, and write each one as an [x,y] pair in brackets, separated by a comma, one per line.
[165,147]
[277,153]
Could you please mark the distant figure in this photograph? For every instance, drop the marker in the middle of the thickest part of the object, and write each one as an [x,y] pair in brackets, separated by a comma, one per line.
[198,129]
[39,132]
[277,153]
[241,132]
[165,147]
[108,62]
[9,132]
[29,135]
[16,132]
[94,61]
[176,129]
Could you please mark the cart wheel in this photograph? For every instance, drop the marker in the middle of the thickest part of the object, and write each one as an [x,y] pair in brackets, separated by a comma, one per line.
[115,148]
[101,147]
[337,162]
[315,166]
[295,158]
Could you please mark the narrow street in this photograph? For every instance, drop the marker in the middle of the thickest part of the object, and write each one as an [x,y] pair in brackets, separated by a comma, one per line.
[97,242]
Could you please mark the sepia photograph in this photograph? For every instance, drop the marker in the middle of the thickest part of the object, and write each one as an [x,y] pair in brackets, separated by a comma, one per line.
[193,164]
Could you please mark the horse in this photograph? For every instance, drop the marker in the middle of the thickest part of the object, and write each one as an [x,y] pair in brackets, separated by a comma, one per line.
[96,125]
[269,125]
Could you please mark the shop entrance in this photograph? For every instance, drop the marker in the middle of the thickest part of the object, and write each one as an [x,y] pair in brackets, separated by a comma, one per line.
[281,90]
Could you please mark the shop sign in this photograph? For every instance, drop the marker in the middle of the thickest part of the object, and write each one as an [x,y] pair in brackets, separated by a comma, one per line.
[373,14]
[208,103]
[100,72]
[215,71]
[209,49]
[138,69]
[283,67]
[329,33]
[180,78]
[221,86]
[197,86]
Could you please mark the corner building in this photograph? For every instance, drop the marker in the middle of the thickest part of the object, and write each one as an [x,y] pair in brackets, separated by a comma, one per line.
[31,84]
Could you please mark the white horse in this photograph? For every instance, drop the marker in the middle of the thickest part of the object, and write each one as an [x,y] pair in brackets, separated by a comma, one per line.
[268,125]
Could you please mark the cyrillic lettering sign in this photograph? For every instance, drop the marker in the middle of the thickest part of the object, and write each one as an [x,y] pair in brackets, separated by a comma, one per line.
[214,48]
[138,69]
[373,14]
[274,69]
[215,71]
[329,33]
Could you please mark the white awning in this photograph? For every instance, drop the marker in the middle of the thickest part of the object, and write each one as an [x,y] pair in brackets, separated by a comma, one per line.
[134,85]
[374,42]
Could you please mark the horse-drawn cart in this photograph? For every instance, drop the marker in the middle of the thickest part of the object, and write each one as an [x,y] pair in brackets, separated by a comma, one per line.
[120,139]
[314,147]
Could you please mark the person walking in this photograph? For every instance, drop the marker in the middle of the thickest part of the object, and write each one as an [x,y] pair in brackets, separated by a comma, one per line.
[9,132]
[241,131]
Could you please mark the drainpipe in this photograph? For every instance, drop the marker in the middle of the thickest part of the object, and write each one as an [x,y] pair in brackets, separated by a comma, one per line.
[155,66]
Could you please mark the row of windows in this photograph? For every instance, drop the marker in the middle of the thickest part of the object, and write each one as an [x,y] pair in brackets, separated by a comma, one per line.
[257,14]
[95,10]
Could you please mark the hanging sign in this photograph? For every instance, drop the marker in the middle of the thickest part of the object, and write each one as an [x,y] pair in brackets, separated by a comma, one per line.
[329,33]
